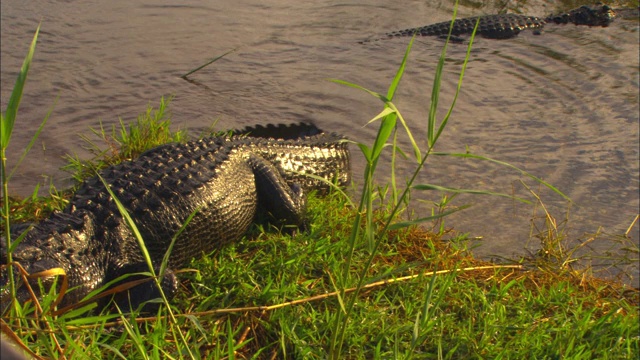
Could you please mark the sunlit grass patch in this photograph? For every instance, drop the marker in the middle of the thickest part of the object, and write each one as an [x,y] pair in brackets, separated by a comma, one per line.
[499,311]
[151,129]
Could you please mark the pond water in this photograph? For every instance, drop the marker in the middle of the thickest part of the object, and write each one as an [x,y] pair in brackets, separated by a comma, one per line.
[562,105]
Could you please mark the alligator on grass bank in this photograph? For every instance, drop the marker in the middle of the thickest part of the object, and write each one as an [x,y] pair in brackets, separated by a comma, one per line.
[506,26]
[227,181]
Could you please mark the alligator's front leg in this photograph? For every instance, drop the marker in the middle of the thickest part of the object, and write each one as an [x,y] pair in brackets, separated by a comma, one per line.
[131,299]
[286,204]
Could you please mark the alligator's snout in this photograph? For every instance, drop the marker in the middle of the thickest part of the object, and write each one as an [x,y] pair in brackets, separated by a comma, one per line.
[30,258]
[607,15]
[597,16]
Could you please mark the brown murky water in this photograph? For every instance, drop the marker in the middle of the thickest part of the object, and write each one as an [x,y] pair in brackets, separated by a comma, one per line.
[563,106]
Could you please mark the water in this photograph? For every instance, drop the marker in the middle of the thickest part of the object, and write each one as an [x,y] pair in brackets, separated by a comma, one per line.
[562,106]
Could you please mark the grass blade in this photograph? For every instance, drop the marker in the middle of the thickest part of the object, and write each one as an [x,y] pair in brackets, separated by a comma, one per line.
[455,97]
[396,79]
[9,117]
[33,139]
[473,156]
[382,98]
[404,224]
[208,63]
[147,257]
[167,254]
[467,191]
[7,121]
[132,225]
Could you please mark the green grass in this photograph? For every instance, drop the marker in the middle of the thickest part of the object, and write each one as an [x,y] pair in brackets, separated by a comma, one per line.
[362,283]
[151,129]
[485,313]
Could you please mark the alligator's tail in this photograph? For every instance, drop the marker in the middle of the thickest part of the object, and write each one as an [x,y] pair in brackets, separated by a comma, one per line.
[304,153]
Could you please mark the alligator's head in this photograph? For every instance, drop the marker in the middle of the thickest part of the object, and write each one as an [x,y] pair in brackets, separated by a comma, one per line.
[47,251]
[597,15]
[33,261]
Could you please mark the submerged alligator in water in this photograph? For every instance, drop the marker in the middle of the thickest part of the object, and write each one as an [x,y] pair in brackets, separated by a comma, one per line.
[227,181]
[506,26]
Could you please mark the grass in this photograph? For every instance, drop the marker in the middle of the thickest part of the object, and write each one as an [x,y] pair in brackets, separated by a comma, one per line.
[483,313]
[150,130]
[361,283]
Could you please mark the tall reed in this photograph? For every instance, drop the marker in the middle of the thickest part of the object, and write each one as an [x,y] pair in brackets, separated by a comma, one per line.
[388,117]
[7,122]
[387,131]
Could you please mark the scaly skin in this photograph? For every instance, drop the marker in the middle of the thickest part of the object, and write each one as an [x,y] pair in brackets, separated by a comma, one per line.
[490,26]
[598,15]
[227,181]
[505,26]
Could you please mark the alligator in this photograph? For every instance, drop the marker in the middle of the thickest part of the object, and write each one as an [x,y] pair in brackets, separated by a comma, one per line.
[505,26]
[226,181]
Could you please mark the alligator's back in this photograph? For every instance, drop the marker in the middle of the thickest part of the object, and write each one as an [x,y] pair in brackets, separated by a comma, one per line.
[505,26]
[216,178]
[490,26]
